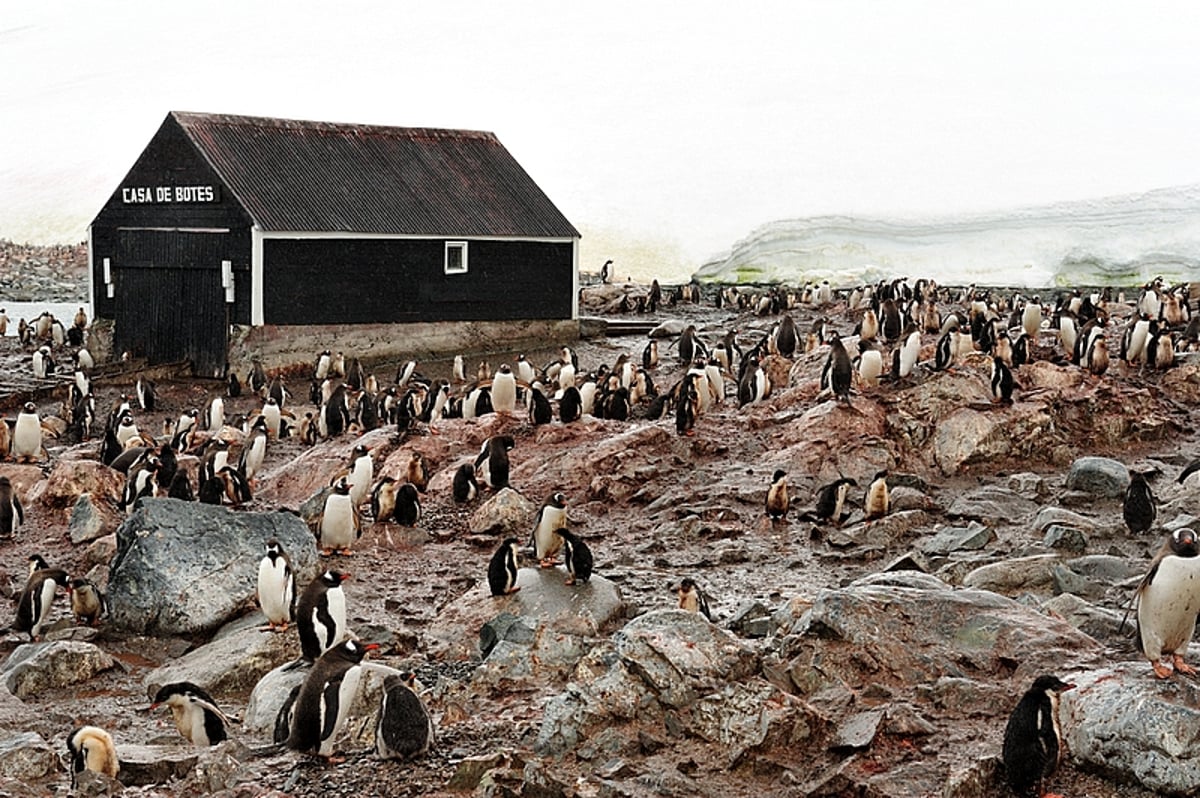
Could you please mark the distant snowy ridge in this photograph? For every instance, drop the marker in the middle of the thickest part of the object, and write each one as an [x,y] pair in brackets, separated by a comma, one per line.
[1121,240]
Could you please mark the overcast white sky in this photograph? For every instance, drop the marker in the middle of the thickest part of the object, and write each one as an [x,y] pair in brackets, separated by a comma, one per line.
[663,131]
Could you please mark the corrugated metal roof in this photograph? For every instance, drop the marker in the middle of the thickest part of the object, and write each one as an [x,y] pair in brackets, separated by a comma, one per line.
[298,176]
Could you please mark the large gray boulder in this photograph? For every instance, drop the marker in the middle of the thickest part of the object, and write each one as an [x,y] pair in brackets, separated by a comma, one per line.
[27,756]
[1101,476]
[35,667]
[1124,721]
[184,568]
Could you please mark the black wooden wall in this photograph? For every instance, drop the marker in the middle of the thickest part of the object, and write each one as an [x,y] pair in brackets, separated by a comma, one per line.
[355,281]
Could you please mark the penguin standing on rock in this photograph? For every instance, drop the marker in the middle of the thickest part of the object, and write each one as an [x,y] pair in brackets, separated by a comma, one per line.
[1033,737]
[551,517]
[878,501]
[33,608]
[578,556]
[1002,381]
[503,568]
[92,748]
[321,615]
[27,435]
[408,505]
[276,587]
[405,729]
[465,488]
[777,496]
[504,390]
[831,499]
[838,370]
[692,598]
[324,700]
[492,462]
[339,527]
[1140,507]
[196,714]
[1168,600]
[11,513]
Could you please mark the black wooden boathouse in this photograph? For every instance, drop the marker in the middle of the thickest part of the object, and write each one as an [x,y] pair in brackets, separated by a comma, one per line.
[232,220]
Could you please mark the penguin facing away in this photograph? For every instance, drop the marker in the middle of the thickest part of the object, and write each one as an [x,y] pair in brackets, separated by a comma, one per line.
[578,556]
[492,462]
[1032,737]
[1140,507]
[196,714]
[276,587]
[503,568]
[1168,600]
[92,748]
[404,729]
[324,700]
[465,487]
[408,505]
[11,513]
[831,499]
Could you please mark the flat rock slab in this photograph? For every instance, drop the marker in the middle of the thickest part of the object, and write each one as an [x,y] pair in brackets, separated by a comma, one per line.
[35,667]
[230,663]
[27,756]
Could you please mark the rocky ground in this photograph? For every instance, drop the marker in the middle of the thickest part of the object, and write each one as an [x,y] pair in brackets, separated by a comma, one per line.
[871,658]
[43,273]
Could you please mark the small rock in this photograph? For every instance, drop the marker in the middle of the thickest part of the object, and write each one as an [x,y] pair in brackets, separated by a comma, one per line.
[27,756]
[1064,537]
[750,619]
[143,765]
[858,731]
[911,561]
[1067,581]
[1049,516]
[1027,485]
[1100,476]
[970,538]
[35,667]
[507,514]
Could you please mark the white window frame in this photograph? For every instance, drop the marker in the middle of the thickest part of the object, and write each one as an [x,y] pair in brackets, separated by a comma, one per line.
[462,247]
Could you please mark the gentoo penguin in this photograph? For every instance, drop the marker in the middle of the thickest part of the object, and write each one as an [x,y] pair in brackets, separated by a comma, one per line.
[540,411]
[786,336]
[1002,381]
[383,499]
[465,487]
[3,322]
[274,416]
[525,371]
[276,586]
[214,414]
[838,371]
[139,482]
[904,357]
[1095,360]
[503,567]
[777,496]
[650,354]
[458,371]
[33,608]
[321,614]
[324,700]
[11,513]
[870,364]
[417,471]
[43,363]
[1031,318]
[877,502]
[92,748]
[233,386]
[1168,600]
[6,438]
[578,556]
[362,474]
[405,729]
[27,435]
[687,406]
[492,462]
[943,356]
[196,714]
[868,328]
[552,516]
[256,378]
[504,390]
[37,563]
[87,602]
[754,385]
[1133,342]
[1020,350]
[254,451]
[1140,507]
[339,527]
[321,368]
[1033,738]
[408,505]
[690,345]
[692,598]
[214,457]
[831,499]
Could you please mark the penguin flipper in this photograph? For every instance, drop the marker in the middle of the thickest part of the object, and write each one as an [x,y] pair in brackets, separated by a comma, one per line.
[330,694]
[1188,470]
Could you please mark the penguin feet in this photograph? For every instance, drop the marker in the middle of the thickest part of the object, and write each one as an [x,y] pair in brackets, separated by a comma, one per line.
[547,563]
[1181,666]
[512,590]
[570,580]
[1160,670]
[345,552]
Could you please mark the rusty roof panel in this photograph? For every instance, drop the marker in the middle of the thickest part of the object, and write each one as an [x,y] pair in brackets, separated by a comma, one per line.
[299,176]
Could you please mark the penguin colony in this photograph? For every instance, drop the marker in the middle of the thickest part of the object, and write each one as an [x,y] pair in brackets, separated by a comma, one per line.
[232,450]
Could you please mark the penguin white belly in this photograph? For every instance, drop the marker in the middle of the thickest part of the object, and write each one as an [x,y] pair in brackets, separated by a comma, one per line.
[545,541]
[256,456]
[27,436]
[274,590]
[504,393]
[587,397]
[360,479]
[42,604]
[345,697]
[336,603]
[1168,606]
[870,367]
[909,354]
[337,523]
[703,396]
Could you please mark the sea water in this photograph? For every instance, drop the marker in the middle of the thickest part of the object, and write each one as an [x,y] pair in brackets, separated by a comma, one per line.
[63,311]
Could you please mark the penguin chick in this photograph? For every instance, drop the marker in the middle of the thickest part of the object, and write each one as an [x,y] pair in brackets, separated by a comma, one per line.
[276,586]
[12,514]
[578,556]
[405,728]
[87,602]
[692,598]
[195,713]
[503,568]
[1168,600]
[324,700]
[1032,737]
[92,748]
[777,496]
[878,501]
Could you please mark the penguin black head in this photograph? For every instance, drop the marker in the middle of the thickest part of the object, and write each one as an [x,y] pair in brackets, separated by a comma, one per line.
[342,487]
[778,475]
[350,650]
[30,407]
[273,546]
[1183,543]
[37,563]
[183,689]
[558,500]
[333,579]
[1048,682]
[505,368]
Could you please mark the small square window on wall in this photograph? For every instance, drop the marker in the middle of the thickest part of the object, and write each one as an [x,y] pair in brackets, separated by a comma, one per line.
[456,257]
